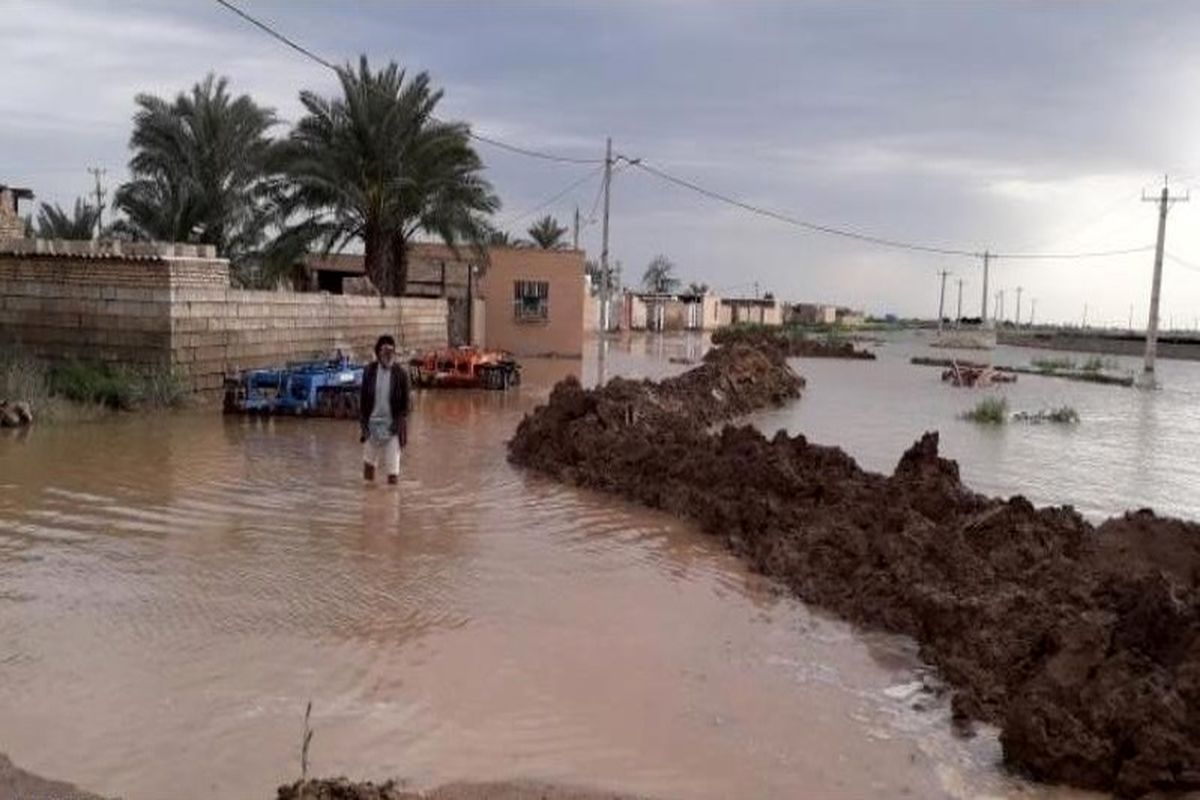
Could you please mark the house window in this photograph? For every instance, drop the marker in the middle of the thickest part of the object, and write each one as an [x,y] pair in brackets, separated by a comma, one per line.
[531,301]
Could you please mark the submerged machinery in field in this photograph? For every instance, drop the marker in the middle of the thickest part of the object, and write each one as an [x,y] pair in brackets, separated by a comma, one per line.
[331,387]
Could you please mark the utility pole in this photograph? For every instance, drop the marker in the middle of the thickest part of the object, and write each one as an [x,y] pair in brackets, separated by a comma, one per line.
[1032,310]
[998,309]
[1019,290]
[575,237]
[98,173]
[942,300]
[1164,202]
[608,162]
[958,316]
[987,257]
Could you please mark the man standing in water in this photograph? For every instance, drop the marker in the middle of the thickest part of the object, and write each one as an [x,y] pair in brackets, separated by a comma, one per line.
[383,409]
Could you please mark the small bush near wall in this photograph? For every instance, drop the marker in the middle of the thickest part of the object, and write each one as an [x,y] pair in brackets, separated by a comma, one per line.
[116,387]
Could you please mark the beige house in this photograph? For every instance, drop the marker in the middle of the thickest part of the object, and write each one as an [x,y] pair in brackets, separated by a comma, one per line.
[811,314]
[523,300]
[750,310]
[534,301]
[650,311]
[11,224]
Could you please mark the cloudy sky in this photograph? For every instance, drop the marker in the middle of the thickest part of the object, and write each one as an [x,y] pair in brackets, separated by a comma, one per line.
[1018,127]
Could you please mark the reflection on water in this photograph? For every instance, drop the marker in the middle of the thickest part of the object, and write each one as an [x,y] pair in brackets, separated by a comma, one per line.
[174,590]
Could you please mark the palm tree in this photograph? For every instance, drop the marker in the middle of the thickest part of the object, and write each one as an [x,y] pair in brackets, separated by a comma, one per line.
[55,223]
[659,276]
[547,234]
[376,166]
[198,170]
[499,238]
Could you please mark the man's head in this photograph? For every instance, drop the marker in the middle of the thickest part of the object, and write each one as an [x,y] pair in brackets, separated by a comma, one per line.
[385,350]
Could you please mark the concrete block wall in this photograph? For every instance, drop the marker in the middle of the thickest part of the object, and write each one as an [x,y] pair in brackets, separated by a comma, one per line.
[155,312]
[219,332]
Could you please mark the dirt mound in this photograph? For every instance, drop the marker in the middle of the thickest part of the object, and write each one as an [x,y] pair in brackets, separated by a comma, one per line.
[793,345]
[1082,643]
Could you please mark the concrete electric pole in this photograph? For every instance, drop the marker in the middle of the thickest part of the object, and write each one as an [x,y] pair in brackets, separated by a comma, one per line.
[958,316]
[1019,290]
[983,315]
[98,173]
[1164,201]
[942,300]
[604,275]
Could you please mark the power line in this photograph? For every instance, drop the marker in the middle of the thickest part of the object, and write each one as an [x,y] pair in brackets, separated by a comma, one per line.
[304,51]
[1182,263]
[550,200]
[866,237]
[267,29]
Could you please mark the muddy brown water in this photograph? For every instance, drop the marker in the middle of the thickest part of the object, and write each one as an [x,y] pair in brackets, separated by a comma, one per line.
[174,590]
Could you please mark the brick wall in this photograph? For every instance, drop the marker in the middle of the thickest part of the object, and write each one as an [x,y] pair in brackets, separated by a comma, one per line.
[155,311]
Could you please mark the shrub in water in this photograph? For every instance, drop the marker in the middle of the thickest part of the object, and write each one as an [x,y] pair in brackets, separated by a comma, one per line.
[989,410]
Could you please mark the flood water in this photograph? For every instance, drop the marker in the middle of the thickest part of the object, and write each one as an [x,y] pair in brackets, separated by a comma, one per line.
[175,589]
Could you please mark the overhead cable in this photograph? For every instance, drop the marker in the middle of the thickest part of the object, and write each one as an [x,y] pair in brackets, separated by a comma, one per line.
[865,237]
[512,148]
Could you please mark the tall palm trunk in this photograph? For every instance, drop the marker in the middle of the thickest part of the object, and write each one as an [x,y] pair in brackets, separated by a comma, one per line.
[399,272]
[377,260]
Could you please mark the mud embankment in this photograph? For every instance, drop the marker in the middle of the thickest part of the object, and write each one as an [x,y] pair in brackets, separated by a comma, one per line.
[792,344]
[1081,642]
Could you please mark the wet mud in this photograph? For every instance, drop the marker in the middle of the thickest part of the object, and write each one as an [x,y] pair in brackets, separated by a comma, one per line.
[1081,642]
[793,346]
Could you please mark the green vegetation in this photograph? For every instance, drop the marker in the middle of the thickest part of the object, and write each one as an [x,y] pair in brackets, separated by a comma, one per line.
[114,387]
[79,390]
[199,172]
[1098,364]
[1064,415]
[1057,364]
[660,276]
[376,165]
[56,223]
[547,234]
[989,411]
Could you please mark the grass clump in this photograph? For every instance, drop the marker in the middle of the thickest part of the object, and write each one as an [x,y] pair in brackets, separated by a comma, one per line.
[82,390]
[989,411]
[1097,364]
[121,388]
[1053,364]
[1063,415]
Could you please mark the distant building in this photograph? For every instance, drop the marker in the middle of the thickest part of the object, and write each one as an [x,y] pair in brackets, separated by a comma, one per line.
[810,314]
[752,310]
[849,318]
[652,311]
[11,224]
[520,299]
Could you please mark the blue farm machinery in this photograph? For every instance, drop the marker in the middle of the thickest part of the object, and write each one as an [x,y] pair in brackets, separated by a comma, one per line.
[328,388]
[331,387]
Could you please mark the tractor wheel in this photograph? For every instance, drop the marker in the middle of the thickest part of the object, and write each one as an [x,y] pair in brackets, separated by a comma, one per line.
[325,400]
